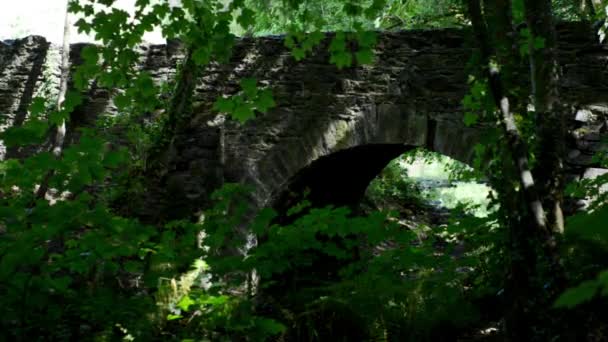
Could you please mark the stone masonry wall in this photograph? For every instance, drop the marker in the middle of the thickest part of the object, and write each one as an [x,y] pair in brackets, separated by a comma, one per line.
[410,96]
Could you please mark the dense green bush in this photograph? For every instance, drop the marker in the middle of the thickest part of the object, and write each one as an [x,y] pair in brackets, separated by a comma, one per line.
[399,291]
[78,265]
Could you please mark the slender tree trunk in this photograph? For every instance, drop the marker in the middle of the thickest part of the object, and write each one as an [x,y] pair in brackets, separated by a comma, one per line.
[550,122]
[519,150]
[63,84]
[549,117]
[529,228]
[58,140]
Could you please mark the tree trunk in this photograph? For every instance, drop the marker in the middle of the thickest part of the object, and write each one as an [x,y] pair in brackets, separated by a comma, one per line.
[528,226]
[63,84]
[550,122]
[58,140]
[549,117]
[519,150]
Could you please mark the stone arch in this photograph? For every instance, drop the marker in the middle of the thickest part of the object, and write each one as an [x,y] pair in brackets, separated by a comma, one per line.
[340,178]
[410,96]
[351,149]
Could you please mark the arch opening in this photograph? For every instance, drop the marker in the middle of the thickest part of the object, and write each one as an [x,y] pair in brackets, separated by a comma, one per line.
[386,177]
[339,179]
[423,178]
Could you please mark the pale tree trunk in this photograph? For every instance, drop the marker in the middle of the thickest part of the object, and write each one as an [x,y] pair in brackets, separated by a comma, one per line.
[549,116]
[57,142]
[528,225]
[519,150]
[63,84]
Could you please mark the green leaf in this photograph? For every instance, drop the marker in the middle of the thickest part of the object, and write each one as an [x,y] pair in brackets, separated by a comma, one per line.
[315,37]
[185,303]
[42,161]
[246,19]
[341,59]
[133,266]
[249,86]
[518,11]
[298,54]
[539,43]
[122,101]
[338,43]
[61,284]
[590,225]
[473,103]
[365,56]
[31,133]
[90,54]
[83,26]
[58,117]
[352,9]
[478,89]
[37,106]
[145,85]
[289,41]
[265,101]
[375,9]
[215,300]
[243,113]
[114,159]
[470,118]
[367,38]
[224,105]
[202,55]
[74,7]
[298,208]
[524,49]
[269,326]
[72,100]
[577,295]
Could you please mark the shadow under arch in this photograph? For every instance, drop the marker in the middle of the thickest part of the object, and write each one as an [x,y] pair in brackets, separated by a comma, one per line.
[338,179]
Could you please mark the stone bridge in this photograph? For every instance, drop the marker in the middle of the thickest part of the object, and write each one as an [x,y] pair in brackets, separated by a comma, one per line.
[332,130]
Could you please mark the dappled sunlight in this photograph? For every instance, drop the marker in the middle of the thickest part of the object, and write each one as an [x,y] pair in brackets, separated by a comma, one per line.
[431,178]
[312,186]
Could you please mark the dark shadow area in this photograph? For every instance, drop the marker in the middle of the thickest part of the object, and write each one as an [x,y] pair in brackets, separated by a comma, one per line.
[339,179]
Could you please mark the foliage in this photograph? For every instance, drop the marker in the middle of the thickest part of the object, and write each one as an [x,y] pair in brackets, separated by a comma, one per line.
[420,177]
[75,265]
[393,185]
[374,286]
[588,228]
[281,16]
[243,106]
